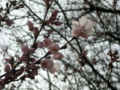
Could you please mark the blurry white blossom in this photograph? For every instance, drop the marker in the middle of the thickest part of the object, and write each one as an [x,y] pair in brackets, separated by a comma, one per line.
[83,27]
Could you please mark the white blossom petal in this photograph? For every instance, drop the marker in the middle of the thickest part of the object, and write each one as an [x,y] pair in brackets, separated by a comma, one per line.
[75,22]
[89,25]
[89,32]
[52,70]
[55,68]
[83,28]
[83,20]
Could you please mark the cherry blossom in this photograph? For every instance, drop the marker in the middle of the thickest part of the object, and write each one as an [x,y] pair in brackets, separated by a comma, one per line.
[47,42]
[25,49]
[58,56]
[9,22]
[47,64]
[55,68]
[54,48]
[83,27]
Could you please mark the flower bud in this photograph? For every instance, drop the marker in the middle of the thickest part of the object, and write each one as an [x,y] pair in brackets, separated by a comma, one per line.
[30,25]
[25,48]
[7,68]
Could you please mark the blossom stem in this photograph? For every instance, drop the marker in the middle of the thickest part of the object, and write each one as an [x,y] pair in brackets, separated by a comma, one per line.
[68,43]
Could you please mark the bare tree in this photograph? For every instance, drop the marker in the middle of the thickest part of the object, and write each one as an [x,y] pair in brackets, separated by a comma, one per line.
[36,34]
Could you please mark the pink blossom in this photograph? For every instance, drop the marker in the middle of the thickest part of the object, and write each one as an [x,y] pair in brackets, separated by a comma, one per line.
[58,56]
[54,48]
[9,22]
[7,68]
[76,31]
[55,68]
[35,72]
[47,64]
[25,48]
[47,42]
[30,25]
[25,57]
[55,13]
[83,27]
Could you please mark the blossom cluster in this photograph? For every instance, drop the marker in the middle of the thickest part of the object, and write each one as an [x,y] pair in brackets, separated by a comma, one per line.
[6,20]
[52,20]
[29,65]
[83,28]
[45,63]
[54,50]
[10,5]
[11,75]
